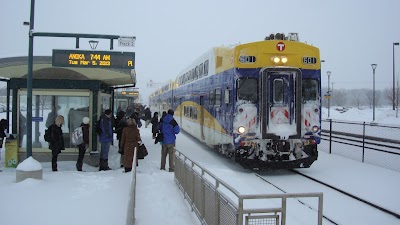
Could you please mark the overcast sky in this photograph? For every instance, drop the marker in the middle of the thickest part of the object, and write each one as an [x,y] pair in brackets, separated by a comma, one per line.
[351,34]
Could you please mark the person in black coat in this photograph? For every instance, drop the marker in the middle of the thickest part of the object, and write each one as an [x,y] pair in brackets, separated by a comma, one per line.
[155,128]
[135,116]
[85,145]
[56,143]
[147,116]
[3,128]
[122,123]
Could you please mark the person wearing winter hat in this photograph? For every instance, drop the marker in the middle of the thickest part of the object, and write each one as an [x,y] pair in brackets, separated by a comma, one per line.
[82,147]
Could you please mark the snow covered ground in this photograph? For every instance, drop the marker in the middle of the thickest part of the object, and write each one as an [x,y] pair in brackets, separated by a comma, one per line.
[69,197]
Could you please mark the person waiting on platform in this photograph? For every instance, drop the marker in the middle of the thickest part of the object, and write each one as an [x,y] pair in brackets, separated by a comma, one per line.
[22,128]
[170,128]
[52,116]
[56,143]
[105,138]
[155,125]
[85,145]
[130,141]
[147,116]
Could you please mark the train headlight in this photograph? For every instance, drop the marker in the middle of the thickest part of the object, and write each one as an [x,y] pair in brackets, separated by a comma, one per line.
[284,59]
[276,59]
[315,129]
[241,130]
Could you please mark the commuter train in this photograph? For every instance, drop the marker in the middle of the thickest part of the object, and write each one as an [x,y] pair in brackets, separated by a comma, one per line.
[259,103]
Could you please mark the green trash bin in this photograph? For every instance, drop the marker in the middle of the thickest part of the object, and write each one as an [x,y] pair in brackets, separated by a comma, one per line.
[11,156]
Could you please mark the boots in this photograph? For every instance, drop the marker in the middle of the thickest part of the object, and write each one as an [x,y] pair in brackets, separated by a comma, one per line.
[79,166]
[104,165]
[128,169]
[54,166]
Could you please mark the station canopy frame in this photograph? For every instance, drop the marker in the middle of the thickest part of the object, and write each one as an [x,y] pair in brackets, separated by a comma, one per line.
[17,67]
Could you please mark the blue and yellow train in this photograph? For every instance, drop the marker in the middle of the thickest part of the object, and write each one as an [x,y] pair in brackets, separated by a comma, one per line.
[259,103]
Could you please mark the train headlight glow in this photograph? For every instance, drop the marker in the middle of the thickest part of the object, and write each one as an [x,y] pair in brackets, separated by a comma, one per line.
[284,59]
[276,59]
[315,129]
[241,130]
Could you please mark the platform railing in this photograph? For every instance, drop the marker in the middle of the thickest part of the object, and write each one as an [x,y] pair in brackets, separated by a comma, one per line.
[217,203]
[130,214]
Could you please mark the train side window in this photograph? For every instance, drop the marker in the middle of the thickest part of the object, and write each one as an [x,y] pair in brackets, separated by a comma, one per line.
[206,68]
[195,112]
[227,96]
[310,89]
[218,96]
[247,89]
[278,91]
[196,76]
[201,69]
[211,98]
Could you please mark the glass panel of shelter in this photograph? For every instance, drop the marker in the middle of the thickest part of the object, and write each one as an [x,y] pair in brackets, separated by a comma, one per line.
[45,104]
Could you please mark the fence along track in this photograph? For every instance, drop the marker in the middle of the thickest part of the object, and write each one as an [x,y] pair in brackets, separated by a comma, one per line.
[378,143]
[211,198]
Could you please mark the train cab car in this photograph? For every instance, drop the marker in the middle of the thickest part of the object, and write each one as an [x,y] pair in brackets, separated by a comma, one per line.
[259,103]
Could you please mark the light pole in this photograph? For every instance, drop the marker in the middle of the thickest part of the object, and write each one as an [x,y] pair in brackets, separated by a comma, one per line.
[373,91]
[395,43]
[329,93]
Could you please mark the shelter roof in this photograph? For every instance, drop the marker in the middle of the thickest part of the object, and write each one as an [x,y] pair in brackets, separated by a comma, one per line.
[17,67]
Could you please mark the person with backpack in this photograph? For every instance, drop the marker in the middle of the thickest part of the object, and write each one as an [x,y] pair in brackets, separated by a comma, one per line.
[82,147]
[169,128]
[105,138]
[56,143]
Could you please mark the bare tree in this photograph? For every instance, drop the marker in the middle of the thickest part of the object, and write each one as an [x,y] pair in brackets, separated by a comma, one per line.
[368,97]
[357,100]
[388,93]
[339,97]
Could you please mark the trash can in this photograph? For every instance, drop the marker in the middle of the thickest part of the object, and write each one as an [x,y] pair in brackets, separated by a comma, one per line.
[11,156]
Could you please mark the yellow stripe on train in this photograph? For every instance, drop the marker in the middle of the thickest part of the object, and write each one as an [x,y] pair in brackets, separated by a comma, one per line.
[209,120]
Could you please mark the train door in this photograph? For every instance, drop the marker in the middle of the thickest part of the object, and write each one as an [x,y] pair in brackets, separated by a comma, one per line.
[202,117]
[281,104]
[181,113]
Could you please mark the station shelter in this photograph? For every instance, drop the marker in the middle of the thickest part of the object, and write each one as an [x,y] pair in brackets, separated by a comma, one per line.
[72,92]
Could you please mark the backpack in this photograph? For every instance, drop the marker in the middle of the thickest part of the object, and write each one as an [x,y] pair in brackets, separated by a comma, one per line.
[47,134]
[98,127]
[77,136]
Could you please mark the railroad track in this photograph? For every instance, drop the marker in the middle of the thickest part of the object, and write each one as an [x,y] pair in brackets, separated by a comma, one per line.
[334,188]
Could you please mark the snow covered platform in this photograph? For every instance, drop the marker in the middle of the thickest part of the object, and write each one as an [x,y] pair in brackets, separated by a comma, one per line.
[86,195]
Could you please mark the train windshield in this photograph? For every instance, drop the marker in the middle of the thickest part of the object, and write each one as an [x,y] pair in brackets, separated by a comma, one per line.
[247,89]
[310,89]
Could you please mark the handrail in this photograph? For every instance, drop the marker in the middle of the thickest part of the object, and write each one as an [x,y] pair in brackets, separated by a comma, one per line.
[130,214]
[186,175]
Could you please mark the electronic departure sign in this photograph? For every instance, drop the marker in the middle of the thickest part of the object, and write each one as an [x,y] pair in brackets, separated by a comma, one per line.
[98,59]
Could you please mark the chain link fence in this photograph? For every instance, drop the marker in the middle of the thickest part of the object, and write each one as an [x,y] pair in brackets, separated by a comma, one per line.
[372,143]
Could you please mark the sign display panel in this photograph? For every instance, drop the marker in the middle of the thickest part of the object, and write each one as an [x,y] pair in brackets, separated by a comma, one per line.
[98,59]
